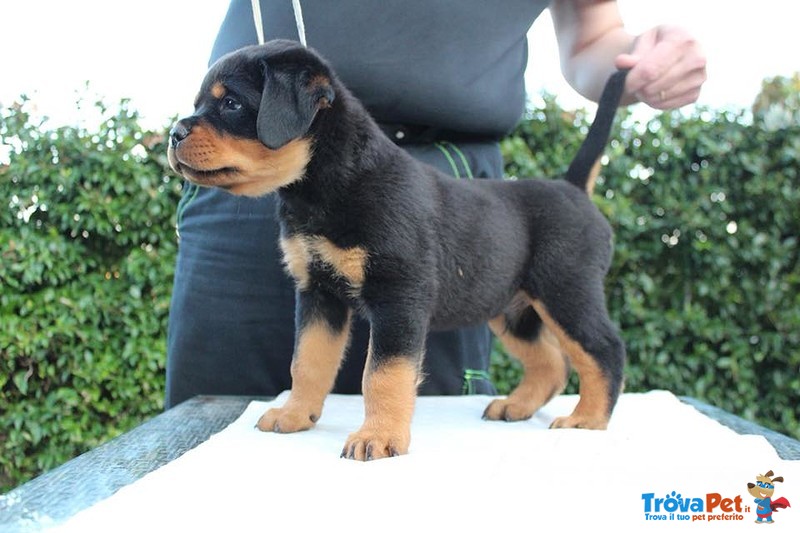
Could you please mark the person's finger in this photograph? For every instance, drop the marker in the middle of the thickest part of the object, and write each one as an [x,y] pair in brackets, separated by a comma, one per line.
[653,66]
[679,81]
[680,100]
[656,51]
[623,61]
[641,47]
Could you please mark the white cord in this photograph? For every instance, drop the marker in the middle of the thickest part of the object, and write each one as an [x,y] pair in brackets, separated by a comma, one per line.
[298,19]
[257,20]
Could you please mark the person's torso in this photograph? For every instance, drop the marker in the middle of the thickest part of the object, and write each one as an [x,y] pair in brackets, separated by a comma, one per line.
[452,64]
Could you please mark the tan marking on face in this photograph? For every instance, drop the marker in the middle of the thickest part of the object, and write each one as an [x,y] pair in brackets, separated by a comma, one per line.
[320,81]
[300,250]
[218,90]
[545,373]
[390,391]
[594,408]
[241,166]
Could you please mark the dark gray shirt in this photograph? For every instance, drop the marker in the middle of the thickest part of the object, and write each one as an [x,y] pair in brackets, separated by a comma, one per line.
[451,64]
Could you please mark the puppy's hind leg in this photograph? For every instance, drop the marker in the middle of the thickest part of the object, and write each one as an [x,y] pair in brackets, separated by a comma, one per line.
[545,368]
[580,322]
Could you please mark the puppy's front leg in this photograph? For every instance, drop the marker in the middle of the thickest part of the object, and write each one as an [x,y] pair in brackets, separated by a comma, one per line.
[391,377]
[323,330]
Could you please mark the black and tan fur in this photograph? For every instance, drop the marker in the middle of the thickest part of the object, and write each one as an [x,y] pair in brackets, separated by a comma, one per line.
[367,229]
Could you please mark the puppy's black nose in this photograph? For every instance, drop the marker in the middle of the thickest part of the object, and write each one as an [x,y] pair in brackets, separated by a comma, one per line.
[179,132]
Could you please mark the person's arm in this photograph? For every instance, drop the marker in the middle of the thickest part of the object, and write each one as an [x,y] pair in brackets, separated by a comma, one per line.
[668,66]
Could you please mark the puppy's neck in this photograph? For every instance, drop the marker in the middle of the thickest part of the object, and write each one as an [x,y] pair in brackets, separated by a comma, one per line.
[347,147]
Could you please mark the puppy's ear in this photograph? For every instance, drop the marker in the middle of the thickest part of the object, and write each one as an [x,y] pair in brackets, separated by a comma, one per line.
[289,102]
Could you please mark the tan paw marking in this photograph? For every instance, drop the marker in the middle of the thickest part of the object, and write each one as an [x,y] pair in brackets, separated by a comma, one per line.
[369,444]
[508,410]
[287,420]
[579,422]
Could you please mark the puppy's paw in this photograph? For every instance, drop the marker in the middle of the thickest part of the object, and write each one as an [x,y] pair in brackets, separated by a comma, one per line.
[575,421]
[287,419]
[367,444]
[508,410]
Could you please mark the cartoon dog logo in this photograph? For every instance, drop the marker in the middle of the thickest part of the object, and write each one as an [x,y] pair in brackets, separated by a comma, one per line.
[762,490]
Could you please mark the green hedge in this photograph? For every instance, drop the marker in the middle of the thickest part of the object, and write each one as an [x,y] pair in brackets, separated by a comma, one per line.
[705,285]
[87,244]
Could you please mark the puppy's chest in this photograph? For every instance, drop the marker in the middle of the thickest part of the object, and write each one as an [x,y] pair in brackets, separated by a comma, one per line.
[313,259]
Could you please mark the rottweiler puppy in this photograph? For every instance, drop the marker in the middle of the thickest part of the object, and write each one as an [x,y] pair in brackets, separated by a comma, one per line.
[367,229]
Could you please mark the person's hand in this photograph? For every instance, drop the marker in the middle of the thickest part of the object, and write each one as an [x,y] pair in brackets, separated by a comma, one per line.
[668,68]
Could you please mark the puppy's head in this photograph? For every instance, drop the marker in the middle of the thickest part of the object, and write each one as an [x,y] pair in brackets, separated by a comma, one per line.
[249,133]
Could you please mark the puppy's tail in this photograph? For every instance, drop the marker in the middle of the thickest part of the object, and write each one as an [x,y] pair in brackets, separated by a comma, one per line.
[586,164]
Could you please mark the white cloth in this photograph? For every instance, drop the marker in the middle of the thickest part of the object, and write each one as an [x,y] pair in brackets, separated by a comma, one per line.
[462,474]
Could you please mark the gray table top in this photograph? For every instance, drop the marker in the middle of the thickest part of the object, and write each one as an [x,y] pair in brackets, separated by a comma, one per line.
[57,495]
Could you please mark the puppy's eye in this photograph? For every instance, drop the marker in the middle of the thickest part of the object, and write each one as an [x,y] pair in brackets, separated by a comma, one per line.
[231,104]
